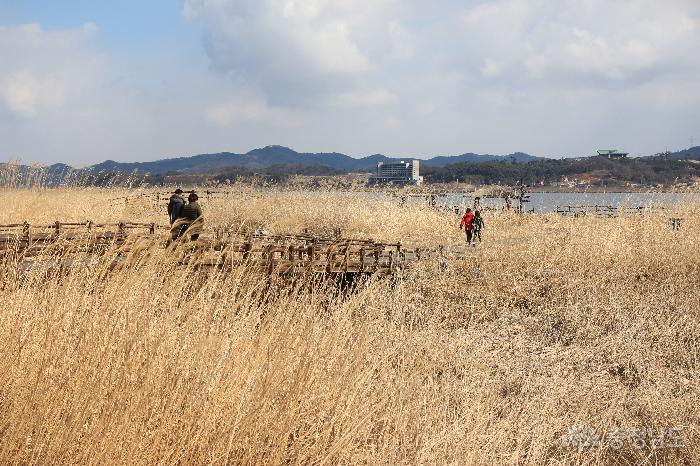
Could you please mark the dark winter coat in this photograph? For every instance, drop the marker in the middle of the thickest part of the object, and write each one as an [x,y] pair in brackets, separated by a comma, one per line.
[191,211]
[175,207]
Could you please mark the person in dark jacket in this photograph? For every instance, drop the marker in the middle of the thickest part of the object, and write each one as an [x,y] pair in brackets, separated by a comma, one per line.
[478,225]
[477,204]
[189,214]
[175,205]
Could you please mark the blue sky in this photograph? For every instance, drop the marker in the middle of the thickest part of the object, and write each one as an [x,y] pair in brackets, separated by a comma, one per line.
[124,24]
[83,81]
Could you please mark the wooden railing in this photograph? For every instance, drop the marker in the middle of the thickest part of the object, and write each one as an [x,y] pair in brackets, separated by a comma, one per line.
[269,253]
[31,238]
[603,210]
[286,253]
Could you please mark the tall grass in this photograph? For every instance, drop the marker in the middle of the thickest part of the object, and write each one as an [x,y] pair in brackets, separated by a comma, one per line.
[553,322]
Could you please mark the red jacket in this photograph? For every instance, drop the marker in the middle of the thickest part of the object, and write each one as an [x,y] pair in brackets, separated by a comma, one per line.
[467,221]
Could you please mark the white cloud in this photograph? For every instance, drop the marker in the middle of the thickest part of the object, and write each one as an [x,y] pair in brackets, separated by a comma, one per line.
[250,109]
[24,93]
[402,42]
[45,71]
[302,52]
[403,77]
[585,43]
[491,68]
[299,51]
[61,99]
[363,98]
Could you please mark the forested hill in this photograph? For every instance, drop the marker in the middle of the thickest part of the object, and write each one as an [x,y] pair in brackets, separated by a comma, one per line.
[688,154]
[283,156]
[662,169]
[279,163]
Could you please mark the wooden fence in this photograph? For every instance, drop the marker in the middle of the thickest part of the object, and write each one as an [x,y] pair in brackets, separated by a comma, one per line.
[603,210]
[32,239]
[261,252]
[287,253]
[157,198]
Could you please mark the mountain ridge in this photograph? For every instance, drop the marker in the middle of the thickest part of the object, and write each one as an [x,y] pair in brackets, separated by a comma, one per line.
[279,155]
[283,160]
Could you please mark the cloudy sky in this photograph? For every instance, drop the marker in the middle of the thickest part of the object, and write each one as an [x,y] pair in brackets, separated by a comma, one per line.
[86,80]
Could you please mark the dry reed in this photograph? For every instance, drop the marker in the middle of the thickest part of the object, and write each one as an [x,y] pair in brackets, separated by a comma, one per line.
[552,322]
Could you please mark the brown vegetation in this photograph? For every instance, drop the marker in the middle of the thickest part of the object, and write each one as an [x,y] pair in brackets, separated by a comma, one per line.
[552,322]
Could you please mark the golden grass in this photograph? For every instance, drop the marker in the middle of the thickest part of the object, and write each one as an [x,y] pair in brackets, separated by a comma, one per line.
[553,321]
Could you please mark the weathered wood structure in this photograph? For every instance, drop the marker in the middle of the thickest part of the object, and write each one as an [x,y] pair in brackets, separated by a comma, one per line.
[30,240]
[291,253]
[260,252]
[602,210]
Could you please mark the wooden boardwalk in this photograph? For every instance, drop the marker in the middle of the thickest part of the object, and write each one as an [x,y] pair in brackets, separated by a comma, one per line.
[291,253]
[35,240]
[278,254]
[603,210]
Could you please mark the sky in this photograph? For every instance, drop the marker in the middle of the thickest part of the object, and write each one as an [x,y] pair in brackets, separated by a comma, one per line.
[82,81]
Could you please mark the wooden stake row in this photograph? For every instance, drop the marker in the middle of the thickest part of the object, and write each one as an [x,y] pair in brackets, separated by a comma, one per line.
[607,210]
[345,256]
[271,253]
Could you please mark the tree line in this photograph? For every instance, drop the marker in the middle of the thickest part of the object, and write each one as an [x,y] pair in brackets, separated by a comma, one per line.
[601,170]
[647,170]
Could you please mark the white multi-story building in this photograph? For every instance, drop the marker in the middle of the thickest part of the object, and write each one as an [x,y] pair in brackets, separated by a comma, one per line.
[613,154]
[397,173]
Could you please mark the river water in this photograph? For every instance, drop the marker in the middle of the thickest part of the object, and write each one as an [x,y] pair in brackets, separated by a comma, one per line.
[549,202]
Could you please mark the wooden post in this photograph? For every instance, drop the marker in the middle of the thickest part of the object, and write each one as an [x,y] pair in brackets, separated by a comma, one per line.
[88,225]
[247,246]
[122,230]
[57,226]
[346,257]
[310,254]
[152,228]
[26,233]
[270,258]
[330,257]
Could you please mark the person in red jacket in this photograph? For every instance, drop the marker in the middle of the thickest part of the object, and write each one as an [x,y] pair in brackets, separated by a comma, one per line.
[468,224]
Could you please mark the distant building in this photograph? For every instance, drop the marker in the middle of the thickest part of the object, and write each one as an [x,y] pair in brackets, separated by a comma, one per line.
[397,173]
[613,154]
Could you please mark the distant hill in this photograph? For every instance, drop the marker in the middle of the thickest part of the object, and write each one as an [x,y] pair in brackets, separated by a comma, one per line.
[692,153]
[279,155]
[13,174]
[662,169]
[277,162]
[518,157]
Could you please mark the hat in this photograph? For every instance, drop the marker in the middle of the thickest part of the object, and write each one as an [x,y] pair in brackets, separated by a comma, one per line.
[178,191]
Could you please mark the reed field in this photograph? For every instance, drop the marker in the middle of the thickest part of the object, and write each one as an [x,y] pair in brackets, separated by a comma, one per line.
[553,331]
